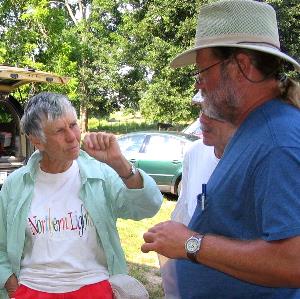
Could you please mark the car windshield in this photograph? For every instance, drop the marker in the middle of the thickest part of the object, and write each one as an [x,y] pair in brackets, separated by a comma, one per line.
[131,144]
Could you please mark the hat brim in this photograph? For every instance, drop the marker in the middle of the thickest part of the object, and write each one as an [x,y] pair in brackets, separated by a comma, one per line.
[189,57]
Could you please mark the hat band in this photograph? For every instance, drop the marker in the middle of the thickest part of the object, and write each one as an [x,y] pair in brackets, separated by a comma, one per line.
[231,40]
[264,44]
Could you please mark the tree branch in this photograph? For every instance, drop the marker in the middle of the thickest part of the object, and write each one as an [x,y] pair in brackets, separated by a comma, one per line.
[81,8]
[70,12]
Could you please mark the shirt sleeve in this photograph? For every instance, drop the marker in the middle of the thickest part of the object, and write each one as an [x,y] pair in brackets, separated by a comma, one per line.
[134,204]
[5,266]
[277,194]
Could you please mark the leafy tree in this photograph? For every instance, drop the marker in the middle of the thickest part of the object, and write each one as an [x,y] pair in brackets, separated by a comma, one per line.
[158,31]
[288,15]
[117,52]
[72,38]
[172,32]
[31,36]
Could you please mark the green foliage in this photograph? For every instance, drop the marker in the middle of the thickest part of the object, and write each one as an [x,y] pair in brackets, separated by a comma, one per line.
[117,52]
[158,30]
[5,117]
[161,104]
[288,15]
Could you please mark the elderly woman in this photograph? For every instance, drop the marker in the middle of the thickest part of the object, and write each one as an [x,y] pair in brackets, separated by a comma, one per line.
[58,235]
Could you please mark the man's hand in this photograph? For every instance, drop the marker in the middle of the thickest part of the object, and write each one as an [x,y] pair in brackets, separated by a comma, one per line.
[11,285]
[167,238]
[271,264]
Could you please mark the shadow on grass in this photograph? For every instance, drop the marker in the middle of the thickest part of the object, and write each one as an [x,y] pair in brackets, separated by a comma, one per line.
[149,277]
[171,197]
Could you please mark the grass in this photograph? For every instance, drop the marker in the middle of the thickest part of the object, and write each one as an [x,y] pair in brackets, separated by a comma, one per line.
[118,125]
[144,266]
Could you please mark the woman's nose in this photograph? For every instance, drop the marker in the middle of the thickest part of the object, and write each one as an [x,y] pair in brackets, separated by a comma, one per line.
[70,135]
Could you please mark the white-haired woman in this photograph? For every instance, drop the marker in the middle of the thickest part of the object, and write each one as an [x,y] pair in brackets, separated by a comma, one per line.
[58,235]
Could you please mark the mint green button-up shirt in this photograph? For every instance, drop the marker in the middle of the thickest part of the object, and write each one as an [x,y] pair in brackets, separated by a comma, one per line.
[104,195]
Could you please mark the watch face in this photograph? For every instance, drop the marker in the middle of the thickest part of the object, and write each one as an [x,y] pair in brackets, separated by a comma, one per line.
[133,169]
[193,245]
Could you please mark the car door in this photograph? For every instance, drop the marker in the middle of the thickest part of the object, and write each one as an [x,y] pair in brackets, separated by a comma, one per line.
[162,159]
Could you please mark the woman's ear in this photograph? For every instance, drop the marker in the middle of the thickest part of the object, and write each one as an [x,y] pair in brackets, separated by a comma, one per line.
[36,142]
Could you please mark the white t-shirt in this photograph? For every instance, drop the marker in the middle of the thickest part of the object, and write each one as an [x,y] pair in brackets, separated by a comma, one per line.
[62,252]
[198,164]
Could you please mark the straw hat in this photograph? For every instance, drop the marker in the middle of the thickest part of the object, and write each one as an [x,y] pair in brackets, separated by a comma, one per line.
[244,24]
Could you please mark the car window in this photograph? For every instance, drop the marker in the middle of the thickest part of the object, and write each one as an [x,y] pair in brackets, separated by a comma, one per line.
[165,147]
[131,144]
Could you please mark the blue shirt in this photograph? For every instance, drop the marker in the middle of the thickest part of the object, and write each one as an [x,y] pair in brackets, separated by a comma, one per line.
[254,193]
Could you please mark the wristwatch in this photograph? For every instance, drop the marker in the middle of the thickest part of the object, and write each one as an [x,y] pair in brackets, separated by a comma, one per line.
[192,247]
[133,171]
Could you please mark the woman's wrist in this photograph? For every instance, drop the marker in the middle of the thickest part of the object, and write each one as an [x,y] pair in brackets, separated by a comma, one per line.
[11,285]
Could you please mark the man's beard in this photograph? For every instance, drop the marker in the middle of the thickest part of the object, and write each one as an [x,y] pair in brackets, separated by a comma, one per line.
[223,102]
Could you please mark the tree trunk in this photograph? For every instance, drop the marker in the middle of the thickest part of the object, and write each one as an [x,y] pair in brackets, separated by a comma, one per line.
[83,118]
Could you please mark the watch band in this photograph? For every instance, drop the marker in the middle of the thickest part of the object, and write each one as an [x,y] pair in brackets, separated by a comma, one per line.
[192,257]
[133,171]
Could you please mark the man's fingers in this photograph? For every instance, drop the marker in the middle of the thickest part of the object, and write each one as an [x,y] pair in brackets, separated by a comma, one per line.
[148,237]
[157,227]
[146,247]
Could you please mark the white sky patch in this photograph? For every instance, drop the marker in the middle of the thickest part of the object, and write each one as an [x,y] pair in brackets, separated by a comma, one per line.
[125,7]
[125,70]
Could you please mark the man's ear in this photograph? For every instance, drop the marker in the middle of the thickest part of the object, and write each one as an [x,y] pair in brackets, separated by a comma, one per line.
[244,64]
[246,68]
[36,142]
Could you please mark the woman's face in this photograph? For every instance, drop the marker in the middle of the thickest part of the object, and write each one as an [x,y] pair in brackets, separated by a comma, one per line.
[62,143]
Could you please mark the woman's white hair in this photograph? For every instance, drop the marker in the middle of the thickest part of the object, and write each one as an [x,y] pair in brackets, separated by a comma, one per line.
[45,106]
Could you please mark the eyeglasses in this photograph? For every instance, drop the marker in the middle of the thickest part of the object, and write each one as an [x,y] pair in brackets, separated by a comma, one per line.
[198,72]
